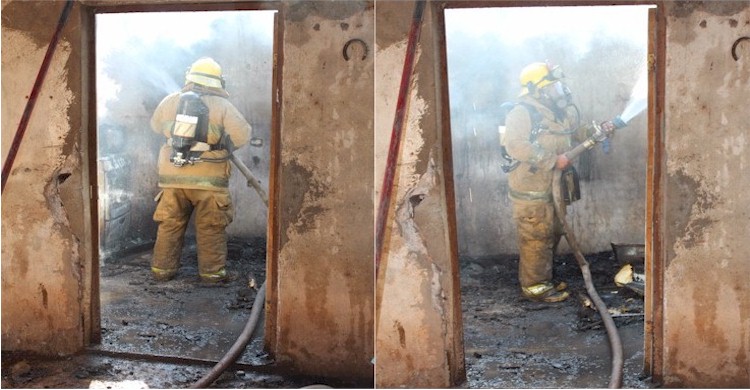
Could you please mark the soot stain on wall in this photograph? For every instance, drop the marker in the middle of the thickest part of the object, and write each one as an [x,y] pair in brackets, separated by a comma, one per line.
[687,196]
[718,8]
[38,24]
[302,10]
[682,12]
[301,190]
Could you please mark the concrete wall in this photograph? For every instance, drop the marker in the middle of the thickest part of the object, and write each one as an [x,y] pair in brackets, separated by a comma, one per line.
[323,288]
[323,283]
[43,234]
[419,338]
[323,307]
[706,213]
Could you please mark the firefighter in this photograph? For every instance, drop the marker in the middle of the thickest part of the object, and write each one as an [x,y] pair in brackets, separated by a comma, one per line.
[538,130]
[201,128]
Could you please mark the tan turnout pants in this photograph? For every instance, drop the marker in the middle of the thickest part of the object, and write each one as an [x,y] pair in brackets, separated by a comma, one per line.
[539,232]
[213,212]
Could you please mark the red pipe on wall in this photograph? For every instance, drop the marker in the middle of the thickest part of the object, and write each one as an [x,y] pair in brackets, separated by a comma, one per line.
[398,124]
[13,151]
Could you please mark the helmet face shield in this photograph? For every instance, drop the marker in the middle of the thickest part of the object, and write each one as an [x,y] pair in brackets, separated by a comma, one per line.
[558,93]
[556,89]
[555,73]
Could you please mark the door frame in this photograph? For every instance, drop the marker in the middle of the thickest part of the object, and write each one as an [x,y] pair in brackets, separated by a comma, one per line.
[654,230]
[91,321]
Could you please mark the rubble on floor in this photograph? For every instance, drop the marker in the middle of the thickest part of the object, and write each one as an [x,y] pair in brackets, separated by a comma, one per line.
[164,334]
[511,342]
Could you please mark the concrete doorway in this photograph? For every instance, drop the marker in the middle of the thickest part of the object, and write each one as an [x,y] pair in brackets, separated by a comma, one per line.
[511,342]
[140,58]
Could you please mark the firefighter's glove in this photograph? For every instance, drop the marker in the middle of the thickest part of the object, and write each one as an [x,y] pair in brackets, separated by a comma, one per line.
[608,127]
[226,143]
[562,162]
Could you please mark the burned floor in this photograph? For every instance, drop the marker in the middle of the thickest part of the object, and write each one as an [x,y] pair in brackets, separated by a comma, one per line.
[169,334]
[511,342]
[165,334]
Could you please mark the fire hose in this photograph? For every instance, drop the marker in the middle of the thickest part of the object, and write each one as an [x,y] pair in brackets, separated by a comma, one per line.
[256,312]
[239,345]
[251,180]
[614,337]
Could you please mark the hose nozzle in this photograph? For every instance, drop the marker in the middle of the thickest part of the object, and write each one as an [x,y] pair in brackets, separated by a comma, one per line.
[601,132]
[618,122]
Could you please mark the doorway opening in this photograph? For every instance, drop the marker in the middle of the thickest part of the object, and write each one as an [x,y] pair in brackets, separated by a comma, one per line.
[141,57]
[603,50]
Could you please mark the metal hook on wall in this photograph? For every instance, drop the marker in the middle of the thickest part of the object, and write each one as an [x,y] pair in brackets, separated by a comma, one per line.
[349,43]
[734,47]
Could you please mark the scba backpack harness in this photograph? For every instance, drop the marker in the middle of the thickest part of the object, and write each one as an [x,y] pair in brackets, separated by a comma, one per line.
[536,126]
[571,187]
[190,132]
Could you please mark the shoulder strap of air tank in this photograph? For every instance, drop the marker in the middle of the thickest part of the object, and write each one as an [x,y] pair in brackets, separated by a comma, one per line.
[536,120]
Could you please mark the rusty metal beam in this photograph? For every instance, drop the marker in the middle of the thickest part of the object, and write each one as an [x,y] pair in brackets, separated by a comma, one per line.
[457,368]
[124,6]
[183,360]
[539,3]
[655,315]
[274,186]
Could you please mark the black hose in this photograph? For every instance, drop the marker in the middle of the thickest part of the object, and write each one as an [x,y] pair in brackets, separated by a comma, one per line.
[239,345]
[251,180]
[615,343]
[258,305]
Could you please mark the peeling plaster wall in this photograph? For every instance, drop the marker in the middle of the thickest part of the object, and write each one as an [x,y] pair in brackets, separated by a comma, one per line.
[419,336]
[706,213]
[42,223]
[325,262]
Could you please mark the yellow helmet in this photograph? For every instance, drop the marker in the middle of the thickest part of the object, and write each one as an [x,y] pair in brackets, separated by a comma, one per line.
[205,71]
[538,75]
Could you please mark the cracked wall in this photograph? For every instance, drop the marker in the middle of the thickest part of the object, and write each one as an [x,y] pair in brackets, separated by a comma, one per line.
[419,337]
[324,310]
[707,216]
[43,230]
[327,149]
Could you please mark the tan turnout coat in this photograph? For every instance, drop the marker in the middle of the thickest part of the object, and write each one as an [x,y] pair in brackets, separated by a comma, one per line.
[223,117]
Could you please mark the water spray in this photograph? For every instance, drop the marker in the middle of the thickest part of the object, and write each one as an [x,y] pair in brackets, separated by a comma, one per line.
[604,130]
[638,98]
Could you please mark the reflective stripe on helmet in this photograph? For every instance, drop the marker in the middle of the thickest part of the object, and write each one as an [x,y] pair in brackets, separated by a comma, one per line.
[205,71]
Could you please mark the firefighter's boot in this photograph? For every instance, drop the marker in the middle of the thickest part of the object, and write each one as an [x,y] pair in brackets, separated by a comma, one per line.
[163,275]
[546,292]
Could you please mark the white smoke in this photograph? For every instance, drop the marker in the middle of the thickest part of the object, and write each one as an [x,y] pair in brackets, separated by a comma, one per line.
[141,58]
